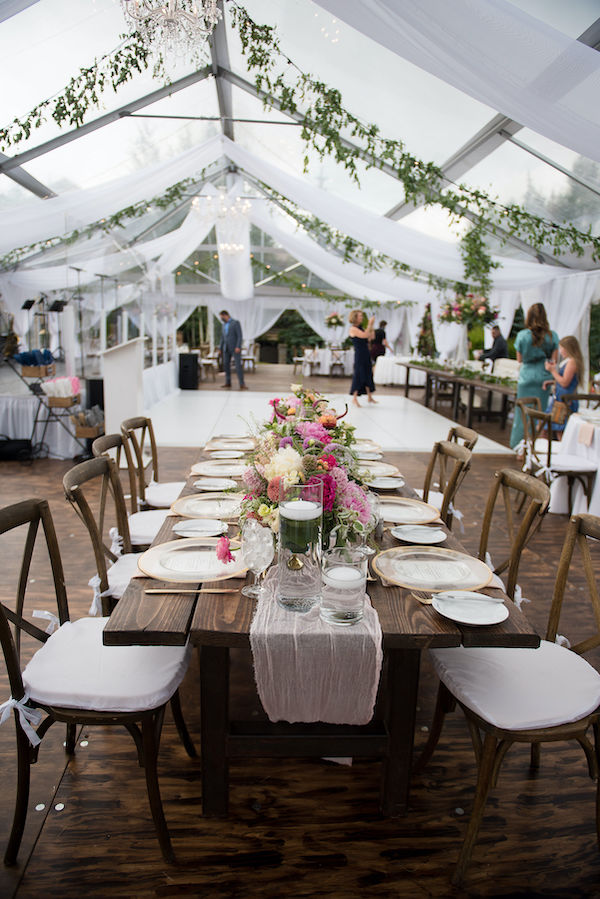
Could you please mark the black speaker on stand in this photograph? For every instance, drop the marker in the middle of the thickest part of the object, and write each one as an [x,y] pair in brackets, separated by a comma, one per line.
[188,371]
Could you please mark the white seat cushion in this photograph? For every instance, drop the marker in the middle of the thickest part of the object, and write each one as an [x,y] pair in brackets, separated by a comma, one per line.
[520,689]
[144,526]
[121,573]
[75,670]
[162,496]
[567,462]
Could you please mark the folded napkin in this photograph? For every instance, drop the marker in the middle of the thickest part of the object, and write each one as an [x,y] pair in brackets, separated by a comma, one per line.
[308,670]
[585,434]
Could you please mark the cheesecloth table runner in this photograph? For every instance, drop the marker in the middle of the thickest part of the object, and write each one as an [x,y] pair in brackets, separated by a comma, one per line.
[307,670]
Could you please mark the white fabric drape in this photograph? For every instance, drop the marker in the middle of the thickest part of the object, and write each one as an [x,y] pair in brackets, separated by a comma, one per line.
[496,53]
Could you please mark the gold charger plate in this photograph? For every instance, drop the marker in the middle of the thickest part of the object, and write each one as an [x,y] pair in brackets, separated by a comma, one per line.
[431,568]
[379,469]
[404,510]
[209,505]
[190,561]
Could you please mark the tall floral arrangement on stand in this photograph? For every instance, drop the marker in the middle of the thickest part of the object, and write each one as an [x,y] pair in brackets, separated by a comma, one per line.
[468,309]
[334,320]
[426,341]
[306,441]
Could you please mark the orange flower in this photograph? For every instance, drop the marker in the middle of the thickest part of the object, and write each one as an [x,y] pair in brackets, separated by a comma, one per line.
[328,420]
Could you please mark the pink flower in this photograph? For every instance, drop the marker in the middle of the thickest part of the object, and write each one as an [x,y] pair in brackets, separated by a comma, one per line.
[273,489]
[312,430]
[253,480]
[329,489]
[329,461]
[223,551]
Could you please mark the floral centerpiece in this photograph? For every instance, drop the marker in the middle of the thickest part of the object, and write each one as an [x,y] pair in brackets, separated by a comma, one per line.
[468,309]
[334,320]
[304,442]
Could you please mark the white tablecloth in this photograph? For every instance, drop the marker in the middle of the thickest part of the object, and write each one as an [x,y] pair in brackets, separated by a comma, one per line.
[387,371]
[559,501]
[17,414]
[325,357]
[159,382]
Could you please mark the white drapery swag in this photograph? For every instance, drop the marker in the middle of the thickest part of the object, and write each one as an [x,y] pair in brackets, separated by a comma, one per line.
[496,53]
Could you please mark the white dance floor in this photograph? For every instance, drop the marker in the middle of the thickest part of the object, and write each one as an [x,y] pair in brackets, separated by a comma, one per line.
[191,418]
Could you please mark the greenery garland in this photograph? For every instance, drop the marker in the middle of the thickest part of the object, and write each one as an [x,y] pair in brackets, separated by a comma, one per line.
[84,89]
[326,120]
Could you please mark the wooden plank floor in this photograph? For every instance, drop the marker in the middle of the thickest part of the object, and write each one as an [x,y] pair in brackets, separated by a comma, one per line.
[297,828]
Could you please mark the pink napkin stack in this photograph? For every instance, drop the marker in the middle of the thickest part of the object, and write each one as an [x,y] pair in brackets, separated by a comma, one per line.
[585,435]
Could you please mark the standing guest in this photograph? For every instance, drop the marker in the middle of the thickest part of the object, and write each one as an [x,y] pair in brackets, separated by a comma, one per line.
[568,374]
[536,344]
[379,344]
[362,377]
[498,349]
[231,345]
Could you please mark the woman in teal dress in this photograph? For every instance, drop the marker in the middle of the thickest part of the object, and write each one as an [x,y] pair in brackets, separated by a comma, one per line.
[536,344]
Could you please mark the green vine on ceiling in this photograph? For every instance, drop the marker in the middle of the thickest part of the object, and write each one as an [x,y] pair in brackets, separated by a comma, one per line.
[172,195]
[83,91]
[325,122]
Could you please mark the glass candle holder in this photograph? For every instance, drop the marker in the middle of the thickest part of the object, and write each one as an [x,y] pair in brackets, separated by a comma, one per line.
[299,556]
[344,583]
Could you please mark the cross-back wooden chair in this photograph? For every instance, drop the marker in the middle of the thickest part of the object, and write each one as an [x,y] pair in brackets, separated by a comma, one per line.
[143,525]
[152,493]
[530,696]
[560,465]
[73,678]
[465,436]
[100,476]
[450,462]
[592,400]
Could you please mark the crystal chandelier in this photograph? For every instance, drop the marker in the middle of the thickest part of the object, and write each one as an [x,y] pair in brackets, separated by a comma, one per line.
[175,26]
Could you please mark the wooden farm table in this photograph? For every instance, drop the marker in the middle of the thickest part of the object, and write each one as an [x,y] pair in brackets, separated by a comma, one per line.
[218,623]
[436,377]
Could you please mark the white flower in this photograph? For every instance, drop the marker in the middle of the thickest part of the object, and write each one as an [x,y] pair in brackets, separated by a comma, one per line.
[286,463]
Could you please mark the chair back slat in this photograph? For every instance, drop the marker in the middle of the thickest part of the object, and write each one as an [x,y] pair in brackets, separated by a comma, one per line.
[28,512]
[465,436]
[103,470]
[579,529]
[140,432]
[102,446]
[450,476]
[528,487]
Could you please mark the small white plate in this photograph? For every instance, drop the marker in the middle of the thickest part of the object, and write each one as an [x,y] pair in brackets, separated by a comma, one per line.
[378,469]
[215,484]
[418,533]
[368,454]
[200,527]
[470,610]
[386,483]
[220,467]
[226,454]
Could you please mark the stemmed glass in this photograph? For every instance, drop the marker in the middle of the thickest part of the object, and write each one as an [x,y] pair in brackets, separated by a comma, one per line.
[258,551]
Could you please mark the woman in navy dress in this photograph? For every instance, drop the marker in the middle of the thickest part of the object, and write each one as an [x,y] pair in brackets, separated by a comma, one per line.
[362,377]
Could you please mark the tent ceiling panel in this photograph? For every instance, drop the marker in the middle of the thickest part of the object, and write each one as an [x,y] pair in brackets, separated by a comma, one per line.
[407,103]
[571,18]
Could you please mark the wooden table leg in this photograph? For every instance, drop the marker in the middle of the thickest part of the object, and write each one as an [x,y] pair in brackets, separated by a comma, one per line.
[455,400]
[401,707]
[427,388]
[504,413]
[214,698]
[470,406]
[407,382]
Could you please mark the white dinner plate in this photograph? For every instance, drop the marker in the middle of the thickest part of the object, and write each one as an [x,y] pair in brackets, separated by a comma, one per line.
[200,527]
[471,609]
[363,443]
[386,483]
[379,469]
[369,455]
[190,561]
[210,505]
[418,533]
[220,468]
[215,484]
[226,454]
[231,443]
[403,510]
[431,568]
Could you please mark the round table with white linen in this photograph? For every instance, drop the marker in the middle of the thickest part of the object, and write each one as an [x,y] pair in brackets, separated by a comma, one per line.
[326,357]
[574,443]
[387,370]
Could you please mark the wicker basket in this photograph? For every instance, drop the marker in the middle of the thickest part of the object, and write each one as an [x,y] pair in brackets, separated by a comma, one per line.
[63,402]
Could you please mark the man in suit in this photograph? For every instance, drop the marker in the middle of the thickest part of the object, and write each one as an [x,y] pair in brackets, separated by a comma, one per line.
[498,349]
[231,345]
